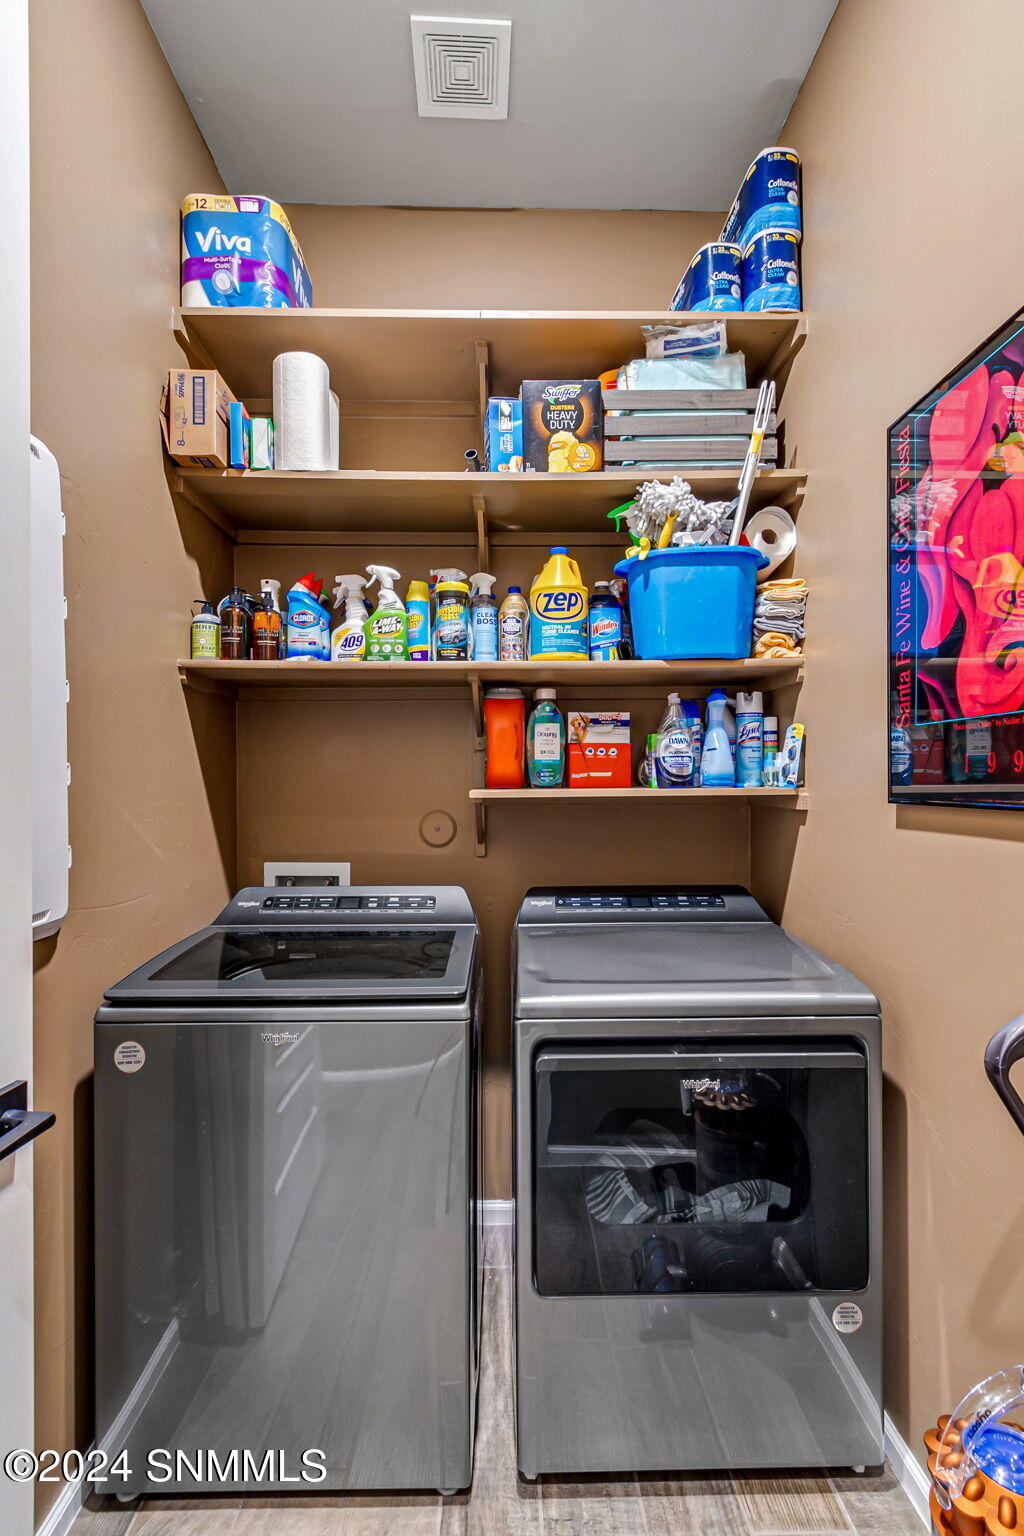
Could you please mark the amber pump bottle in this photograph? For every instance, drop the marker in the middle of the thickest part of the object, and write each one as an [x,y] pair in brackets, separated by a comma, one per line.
[266,631]
[235,628]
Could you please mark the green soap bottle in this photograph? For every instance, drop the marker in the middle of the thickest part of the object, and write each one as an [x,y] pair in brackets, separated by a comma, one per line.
[545,742]
[387,628]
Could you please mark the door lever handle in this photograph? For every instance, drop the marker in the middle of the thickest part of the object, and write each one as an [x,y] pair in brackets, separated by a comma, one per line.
[1005,1049]
[18,1124]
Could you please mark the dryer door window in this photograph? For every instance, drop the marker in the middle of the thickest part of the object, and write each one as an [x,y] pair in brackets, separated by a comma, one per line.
[686,1169]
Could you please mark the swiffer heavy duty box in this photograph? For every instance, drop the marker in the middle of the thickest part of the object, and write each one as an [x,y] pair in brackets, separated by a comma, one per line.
[562,425]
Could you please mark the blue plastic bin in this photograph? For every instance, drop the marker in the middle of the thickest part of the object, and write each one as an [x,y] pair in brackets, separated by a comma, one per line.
[691,604]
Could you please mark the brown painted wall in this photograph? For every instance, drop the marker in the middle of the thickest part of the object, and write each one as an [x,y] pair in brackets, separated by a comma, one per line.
[114,148]
[481,258]
[915,236]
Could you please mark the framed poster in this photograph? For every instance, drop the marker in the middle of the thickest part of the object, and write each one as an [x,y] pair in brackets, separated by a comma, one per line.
[956,585]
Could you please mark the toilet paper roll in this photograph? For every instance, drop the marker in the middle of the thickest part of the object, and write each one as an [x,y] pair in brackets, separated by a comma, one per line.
[302,412]
[771,532]
[335,432]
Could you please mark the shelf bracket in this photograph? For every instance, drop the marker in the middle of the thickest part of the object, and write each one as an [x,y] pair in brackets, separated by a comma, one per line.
[483,537]
[780,363]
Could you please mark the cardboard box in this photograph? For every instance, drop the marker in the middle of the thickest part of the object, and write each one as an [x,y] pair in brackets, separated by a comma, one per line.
[195,417]
[563,425]
[503,435]
[600,754]
[261,443]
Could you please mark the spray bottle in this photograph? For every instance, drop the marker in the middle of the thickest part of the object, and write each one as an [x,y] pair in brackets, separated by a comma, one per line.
[717,768]
[483,618]
[268,584]
[348,639]
[451,615]
[387,628]
[417,606]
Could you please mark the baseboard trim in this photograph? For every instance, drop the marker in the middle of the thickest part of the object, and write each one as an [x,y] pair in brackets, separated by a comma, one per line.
[910,1473]
[64,1510]
[498,1213]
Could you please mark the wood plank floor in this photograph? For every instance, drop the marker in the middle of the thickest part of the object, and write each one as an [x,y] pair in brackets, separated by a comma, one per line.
[500,1504]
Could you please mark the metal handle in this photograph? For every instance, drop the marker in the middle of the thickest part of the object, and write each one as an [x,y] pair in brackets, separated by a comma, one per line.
[1005,1049]
[767,1060]
[18,1124]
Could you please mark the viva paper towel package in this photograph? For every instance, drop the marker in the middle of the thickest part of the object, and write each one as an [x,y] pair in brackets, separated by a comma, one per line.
[558,611]
[240,251]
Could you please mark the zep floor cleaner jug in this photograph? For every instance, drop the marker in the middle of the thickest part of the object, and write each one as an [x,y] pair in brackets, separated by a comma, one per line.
[558,610]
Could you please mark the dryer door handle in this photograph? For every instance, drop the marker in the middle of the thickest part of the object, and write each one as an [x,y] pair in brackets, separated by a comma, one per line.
[1003,1051]
[637,1059]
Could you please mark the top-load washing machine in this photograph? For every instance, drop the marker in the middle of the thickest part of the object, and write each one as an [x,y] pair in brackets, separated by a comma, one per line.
[286,1277]
[698,1189]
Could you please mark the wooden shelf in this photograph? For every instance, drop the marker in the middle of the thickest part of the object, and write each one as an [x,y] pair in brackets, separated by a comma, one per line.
[407,502]
[431,355]
[790,799]
[439,674]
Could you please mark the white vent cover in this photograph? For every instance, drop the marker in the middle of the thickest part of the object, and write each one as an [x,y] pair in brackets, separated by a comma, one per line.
[462,66]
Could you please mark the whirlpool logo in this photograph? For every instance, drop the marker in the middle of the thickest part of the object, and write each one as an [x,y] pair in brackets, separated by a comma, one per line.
[564,606]
[278,1037]
[702,1084]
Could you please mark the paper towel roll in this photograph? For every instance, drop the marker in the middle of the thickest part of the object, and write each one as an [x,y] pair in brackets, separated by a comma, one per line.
[335,432]
[302,412]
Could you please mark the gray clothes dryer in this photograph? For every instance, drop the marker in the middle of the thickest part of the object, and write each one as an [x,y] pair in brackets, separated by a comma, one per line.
[698,1189]
[287,1286]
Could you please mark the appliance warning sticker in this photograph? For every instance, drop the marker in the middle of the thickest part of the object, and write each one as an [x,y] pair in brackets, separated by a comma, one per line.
[130,1057]
[847,1317]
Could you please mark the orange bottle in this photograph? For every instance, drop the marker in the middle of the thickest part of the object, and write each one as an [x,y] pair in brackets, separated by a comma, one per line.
[505,730]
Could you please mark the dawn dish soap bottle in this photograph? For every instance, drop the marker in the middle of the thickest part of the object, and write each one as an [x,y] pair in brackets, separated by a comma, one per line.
[545,742]
[717,766]
[673,753]
[483,617]
[387,628]
[348,639]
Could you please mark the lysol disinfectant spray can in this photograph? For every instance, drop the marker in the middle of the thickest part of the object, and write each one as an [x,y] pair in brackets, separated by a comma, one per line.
[749,739]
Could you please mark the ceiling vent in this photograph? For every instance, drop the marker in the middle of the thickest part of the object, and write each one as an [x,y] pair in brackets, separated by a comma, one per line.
[462,66]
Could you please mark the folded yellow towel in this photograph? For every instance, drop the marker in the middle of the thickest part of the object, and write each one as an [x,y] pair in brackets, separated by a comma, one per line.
[792,587]
[772,645]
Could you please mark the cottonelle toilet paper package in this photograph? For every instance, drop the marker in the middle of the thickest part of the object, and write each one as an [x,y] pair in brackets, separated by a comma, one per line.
[303,413]
[240,251]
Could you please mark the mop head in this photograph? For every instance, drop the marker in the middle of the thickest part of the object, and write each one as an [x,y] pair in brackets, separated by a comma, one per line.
[697,521]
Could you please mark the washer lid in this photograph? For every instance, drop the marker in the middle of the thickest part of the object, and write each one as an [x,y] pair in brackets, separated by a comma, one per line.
[268,965]
[655,969]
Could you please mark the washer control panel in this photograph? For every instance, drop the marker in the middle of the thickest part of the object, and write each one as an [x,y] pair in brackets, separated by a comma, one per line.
[640,904]
[294,903]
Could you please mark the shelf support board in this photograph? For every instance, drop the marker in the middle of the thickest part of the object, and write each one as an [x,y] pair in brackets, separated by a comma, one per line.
[202,504]
[479,740]
[483,384]
[483,541]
